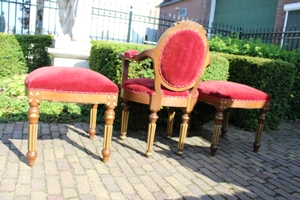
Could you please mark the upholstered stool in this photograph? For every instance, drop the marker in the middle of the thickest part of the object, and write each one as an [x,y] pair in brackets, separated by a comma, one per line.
[70,84]
[225,95]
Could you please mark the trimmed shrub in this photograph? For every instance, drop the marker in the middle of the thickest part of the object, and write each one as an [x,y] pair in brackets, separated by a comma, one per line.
[33,47]
[12,61]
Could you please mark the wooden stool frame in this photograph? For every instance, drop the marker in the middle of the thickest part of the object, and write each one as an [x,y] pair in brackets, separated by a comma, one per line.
[36,96]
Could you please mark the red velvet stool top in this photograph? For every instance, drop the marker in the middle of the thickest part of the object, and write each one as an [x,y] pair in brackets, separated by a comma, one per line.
[70,80]
[231,91]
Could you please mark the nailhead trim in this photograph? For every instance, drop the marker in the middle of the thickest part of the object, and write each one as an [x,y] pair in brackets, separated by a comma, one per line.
[233,99]
[72,92]
[145,93]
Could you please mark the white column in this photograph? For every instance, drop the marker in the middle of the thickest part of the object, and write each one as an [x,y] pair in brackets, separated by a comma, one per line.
[211,15]
[32,19]
[287,8]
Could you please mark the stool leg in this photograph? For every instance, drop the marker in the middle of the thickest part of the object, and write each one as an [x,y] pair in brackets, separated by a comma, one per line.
[108,129]
[225,122]
[183,131]
[218,122]
[260,126]
[170,123]
[124,123]
[93,118]
[33,119]
[151,132]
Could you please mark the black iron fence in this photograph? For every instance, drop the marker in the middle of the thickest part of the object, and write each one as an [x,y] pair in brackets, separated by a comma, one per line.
[124,23]
[287,37]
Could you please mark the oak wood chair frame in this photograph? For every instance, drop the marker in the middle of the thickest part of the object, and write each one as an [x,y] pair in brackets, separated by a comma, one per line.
[223,106]
[158,100]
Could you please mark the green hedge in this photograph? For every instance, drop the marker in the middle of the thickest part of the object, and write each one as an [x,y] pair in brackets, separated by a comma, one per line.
[12,60]
[33,47]
[293,110]
[274,77]
[23,53]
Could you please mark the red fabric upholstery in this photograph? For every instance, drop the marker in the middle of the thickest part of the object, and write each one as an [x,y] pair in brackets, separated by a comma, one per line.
[232,91]
[146,86]
[174,71]
[130,53]
[69,79]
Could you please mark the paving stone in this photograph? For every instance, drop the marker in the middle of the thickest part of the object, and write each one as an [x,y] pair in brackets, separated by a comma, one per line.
[69,193]
[69,165]
[40,195]
[8,185]
[22,190]
[66,178]
[38,184]
[55,197]
[53,186]
[143,191]
[82,185]
[24,177]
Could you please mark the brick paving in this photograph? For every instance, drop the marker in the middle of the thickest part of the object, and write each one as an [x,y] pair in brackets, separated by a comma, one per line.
[69,165]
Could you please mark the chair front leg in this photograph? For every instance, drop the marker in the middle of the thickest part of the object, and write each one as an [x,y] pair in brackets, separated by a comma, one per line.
[225,122]
[108,129]
[260,126]
[151,132]
[218,123]
[33,119]
[93,119]
[170,123]
[183,131]
[124,123]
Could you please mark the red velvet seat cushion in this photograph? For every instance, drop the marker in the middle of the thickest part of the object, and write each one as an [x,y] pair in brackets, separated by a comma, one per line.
[69,79]
[232,91]
[146,86]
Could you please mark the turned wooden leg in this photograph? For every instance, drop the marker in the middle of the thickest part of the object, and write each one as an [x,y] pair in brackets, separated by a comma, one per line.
[170,122]
[260,126]
[218,122]
[124,124]
[33,119]
[108,129]
[93,118]
[183,131]
[151,132]
[225,122]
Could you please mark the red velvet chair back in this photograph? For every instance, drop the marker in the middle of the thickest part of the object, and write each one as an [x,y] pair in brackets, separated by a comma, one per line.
[182,55]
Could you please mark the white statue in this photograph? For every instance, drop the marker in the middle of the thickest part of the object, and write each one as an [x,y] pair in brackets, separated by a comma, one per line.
[75,19]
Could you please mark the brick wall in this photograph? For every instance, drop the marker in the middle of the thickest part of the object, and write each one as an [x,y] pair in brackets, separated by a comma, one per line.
[196,9]
[200,10]
[280,14]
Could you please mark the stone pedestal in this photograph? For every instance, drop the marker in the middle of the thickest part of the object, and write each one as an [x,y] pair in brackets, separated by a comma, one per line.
[69,53]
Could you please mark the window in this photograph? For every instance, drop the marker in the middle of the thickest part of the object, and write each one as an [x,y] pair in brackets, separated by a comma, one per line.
[182,12]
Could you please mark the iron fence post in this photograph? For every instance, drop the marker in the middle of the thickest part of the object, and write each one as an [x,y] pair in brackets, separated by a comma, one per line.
[129,25]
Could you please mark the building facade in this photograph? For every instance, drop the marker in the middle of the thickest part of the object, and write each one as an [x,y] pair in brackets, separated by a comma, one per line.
[245,14]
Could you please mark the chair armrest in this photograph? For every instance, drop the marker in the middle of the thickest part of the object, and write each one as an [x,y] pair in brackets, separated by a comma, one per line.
[125,65]
[132,55]
[135,55]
